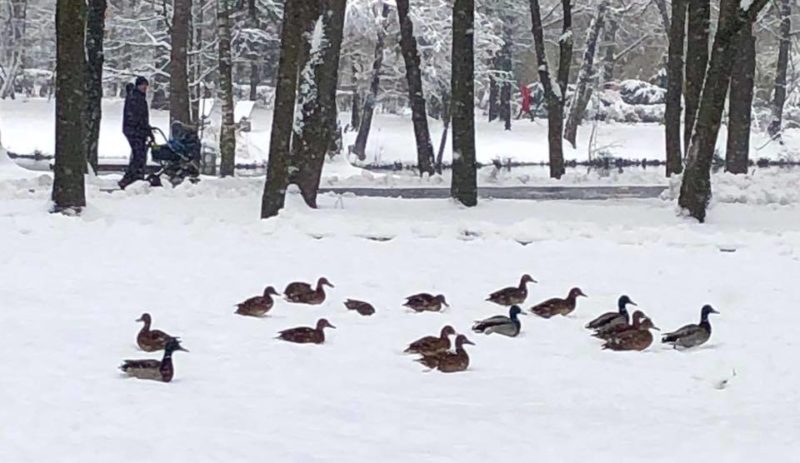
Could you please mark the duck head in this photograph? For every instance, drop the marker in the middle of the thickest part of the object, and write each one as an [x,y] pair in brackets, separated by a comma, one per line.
[174,344]
[525,280]
[623,302]
[514,311]
[447,331]
[575,292]
[637,318]
[706,311]
[441,300]
[324,282]
[461,340]
[145,318]
[270,291]
[324,323]
[647,324]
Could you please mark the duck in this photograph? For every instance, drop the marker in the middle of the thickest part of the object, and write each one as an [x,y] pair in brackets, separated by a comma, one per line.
[507,326]
[449,362]
[258,306]
[424,302]
[611,331]
[513,295]
[306,334]
[633,339]
[155,370]
[303,293]
[613,318]
[691,335]
[432,345]
[151,340]
[558,306]
[363,308]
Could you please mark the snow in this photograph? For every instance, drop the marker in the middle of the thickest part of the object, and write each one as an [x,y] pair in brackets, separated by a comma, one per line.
[186,255]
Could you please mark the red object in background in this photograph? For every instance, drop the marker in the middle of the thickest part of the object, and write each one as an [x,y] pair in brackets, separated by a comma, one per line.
[526,98]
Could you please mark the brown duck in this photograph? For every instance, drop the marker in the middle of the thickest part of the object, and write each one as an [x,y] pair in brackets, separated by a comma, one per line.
[432,345]
[634,339]
[363,308]
[513,295]
[449,362]
[156,370]
[150,340]
[303,293]
[305,334]
[424,302]
[612,331]
[558,306]
[258,306]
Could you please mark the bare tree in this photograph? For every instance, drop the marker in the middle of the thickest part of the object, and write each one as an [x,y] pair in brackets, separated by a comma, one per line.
[464,186]
[179,62]
[779,94]
[740,102]
[672,111]
[11,39]
[609,40]
[70,156]
[95,30]
[698,24]
[227,135]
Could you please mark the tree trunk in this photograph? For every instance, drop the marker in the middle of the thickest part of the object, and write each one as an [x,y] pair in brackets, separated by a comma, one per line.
[70,156]
[318,128]
[416,98]
[255,76]
[227,134]
[580,98]
[672,111]
[464,186]
[11,42]
[779,94]
[663,13]
[360,148]
[179,74]
[493,98]
[505,104]
[698,24]
[506,65]
[95,29]
[274,195]
[610,42]
[446,128]
[741,102]
[696,182]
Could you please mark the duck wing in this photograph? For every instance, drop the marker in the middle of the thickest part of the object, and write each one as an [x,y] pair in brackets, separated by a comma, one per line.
[681,332]
[301,334]
[602,320]
[504,296]
[427,346]
[548,308]
[296,289]
[482,326]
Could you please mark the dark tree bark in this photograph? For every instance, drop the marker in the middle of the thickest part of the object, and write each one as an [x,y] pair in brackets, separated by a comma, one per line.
[698,24]
[464,186]
[610,42]
[274,195]
[779,94]
[696,182]
[554,95]
[505,104]
[506,64]
[741,102]
[70,156]
[95,29]
[360,148]
[580,98]
[445,130]
[179,60]
[419,116]
[672,111]
[493,99]
[227,134]
[255,75]
[319,109]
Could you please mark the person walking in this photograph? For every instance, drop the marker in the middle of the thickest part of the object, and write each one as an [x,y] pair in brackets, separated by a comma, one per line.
[136,128]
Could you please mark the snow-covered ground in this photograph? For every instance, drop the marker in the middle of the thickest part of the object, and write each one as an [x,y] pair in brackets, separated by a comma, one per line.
[28,126]
[72,288]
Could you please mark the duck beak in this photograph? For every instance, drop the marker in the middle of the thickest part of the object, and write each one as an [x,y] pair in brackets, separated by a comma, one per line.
[714,311]
[656,328]
[139,319]
[633,303]
[469,342]
[331,326]
[183,349]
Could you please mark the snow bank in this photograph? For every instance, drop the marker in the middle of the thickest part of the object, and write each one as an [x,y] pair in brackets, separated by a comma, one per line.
[774,186]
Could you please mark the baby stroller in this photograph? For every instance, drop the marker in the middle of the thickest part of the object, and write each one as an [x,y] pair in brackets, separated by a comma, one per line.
[178,157]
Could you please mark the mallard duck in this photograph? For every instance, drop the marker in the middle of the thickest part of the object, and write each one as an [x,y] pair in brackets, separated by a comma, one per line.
[558,306]
[258,306]
[156,370]
[611,331]
[432,345]
[363,308]
[500,324]
[613,318]
[512,295]
[150,340]
[449,362]
[424,302]
[305,334]
[303,293]
[633,339]
[691,335]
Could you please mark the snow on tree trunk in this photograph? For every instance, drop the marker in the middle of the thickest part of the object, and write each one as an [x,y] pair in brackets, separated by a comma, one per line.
[274,195]
[11,43]
[70,155]
[609,40]
[698,24]
[360,148]
[95,29]
[464,187]
[227,134]
[779,94]
[416,98]
[179,61]
[672,110]
[740,102]
[580,97]
[696,183]
[317,131]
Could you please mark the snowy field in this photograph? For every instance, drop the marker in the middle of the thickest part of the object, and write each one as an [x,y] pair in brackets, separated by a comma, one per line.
[72,288]
[28,126]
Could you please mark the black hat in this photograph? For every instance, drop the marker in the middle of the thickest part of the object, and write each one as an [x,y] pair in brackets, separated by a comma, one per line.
[141,80]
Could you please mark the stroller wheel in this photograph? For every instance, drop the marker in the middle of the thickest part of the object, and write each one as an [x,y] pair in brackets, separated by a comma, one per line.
[154,180]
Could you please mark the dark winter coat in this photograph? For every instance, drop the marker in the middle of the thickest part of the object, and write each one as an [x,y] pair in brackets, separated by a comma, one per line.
[136,117]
